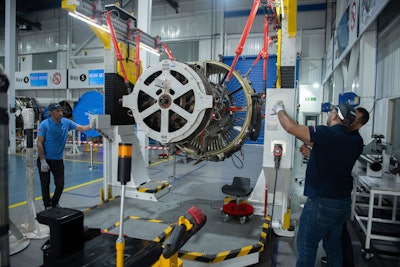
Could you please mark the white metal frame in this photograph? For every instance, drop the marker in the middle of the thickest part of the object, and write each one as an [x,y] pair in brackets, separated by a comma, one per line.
[379,188]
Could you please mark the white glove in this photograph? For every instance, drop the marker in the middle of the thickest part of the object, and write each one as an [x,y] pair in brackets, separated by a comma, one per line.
[278,107]
[92,121]
[44,167]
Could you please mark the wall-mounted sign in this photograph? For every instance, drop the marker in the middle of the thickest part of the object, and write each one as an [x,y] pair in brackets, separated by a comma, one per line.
[353,22]
[341,39]
[38,79]
[369,10]
[45,79]
[85,78]
[359,14]
[346,32]
[96,77]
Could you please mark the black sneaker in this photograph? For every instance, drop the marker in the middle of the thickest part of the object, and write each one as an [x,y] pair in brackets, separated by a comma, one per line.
[323,260]
[47,208]
[56,206]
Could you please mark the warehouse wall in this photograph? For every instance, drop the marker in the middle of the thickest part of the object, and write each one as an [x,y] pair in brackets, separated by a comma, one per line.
[370,69]
[196,21]
[387,76]
[211,27]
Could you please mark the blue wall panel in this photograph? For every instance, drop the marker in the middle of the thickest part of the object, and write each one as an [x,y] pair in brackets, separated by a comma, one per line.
[256,78]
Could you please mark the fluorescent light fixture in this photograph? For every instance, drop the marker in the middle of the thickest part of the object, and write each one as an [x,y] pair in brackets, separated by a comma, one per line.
[106,29]
[89,21]
[50,61]
[149,49]
[315,85]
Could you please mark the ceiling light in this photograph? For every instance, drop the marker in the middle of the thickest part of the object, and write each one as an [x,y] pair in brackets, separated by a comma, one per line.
[89,21]
[149,49]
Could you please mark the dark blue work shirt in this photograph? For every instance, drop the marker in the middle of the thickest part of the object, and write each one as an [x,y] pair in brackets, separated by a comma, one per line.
[331,161]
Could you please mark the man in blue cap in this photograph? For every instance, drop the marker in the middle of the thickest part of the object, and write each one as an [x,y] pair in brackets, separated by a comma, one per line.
[52,136]
[362,117]
[328,182]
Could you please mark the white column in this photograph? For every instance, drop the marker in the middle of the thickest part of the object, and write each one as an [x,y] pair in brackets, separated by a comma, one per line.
[144,24]
[222,28]
[366,89]
[338,84]
[352,67]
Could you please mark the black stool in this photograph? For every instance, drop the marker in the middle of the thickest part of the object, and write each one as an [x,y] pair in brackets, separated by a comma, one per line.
[239,188]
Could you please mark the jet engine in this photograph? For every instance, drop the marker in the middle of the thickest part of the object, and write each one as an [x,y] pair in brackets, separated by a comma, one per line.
[194,107]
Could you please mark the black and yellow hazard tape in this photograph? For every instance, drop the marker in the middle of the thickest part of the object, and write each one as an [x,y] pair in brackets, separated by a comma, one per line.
[100,204]
[115,225]
[166,233]
[221,256]
[264,231]
[202,257]
[153,190]
[229,254]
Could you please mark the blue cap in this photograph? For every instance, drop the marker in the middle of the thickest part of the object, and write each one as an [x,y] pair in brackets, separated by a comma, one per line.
[54,106]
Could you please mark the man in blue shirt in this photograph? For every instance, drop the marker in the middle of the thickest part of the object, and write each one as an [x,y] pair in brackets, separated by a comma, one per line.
[328,182]
[52,136]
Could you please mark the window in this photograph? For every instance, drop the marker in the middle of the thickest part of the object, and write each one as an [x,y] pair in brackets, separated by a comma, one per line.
[45,61]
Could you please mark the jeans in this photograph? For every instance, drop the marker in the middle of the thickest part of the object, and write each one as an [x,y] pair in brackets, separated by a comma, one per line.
[322,218]
[348,255]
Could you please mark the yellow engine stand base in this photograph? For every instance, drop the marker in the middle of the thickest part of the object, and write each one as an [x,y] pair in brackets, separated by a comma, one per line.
[102,197]
[87,148]
[173,261]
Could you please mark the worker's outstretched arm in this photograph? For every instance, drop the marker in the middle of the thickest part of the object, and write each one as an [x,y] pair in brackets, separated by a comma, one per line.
[300,131]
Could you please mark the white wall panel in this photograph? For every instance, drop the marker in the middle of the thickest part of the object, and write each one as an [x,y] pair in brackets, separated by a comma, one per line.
[253,45]
[310,71]
[381,121]
[204,47]
[310,99]
[312,44]
[180,28]
[311,19]
[208,52]
[388,78]
[236,24]
[161,9]
[54,38]
[39,42]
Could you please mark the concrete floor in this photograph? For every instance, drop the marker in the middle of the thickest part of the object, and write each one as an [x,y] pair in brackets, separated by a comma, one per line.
[224,243]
